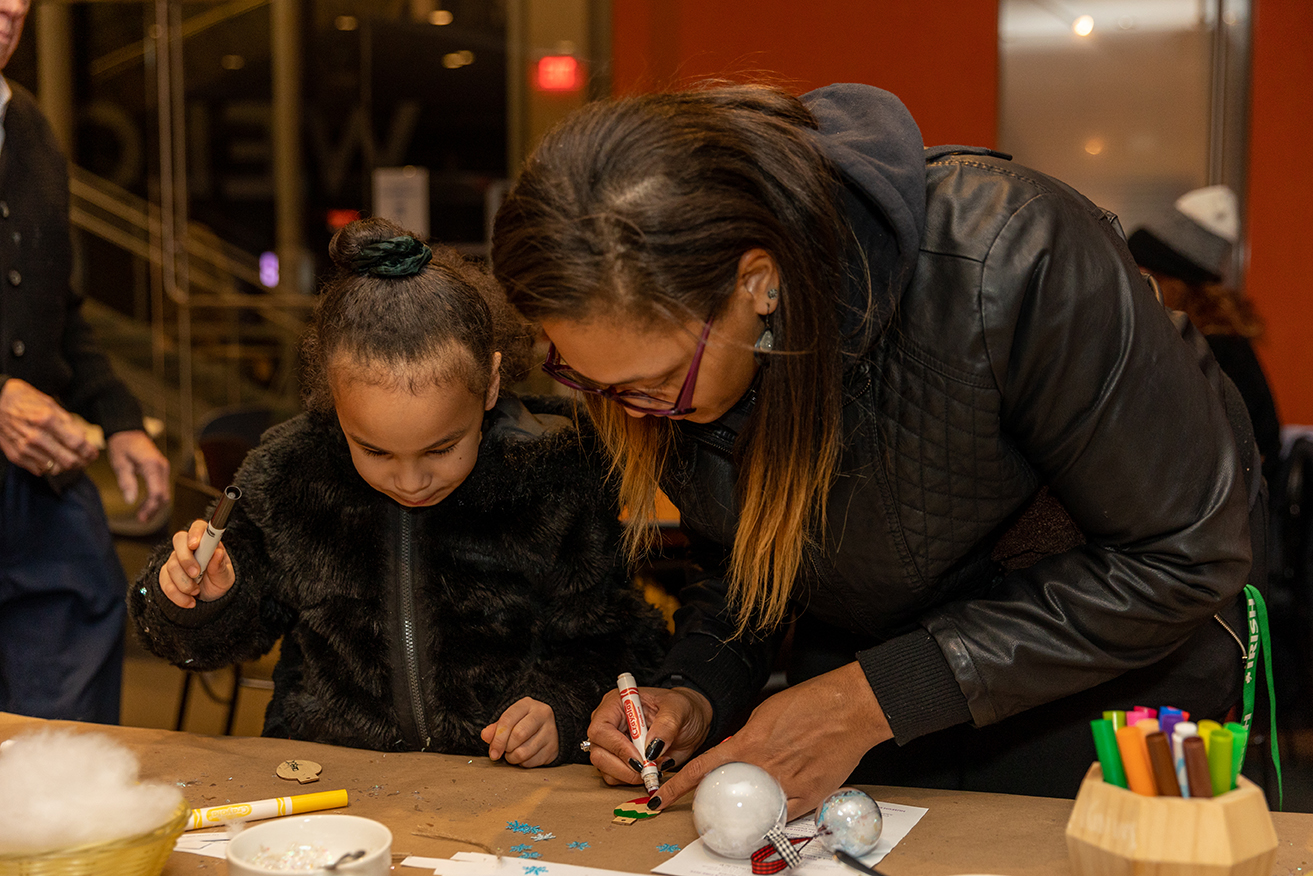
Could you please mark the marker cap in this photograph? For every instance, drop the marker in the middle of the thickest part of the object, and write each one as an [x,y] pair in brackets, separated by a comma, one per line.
[219,519]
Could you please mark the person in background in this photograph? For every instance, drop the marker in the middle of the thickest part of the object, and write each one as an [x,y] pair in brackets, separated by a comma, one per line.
[61,584]
[857,366]
[1187,250]
[440,558]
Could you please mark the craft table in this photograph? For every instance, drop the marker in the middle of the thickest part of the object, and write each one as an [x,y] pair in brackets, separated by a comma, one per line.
[438,805]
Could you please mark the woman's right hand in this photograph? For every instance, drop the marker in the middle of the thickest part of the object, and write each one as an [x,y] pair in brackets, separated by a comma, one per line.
[679,718]
[178,576]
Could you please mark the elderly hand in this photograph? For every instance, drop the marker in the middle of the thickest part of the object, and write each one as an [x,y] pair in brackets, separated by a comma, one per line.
[132,453]
[810,737]
[37,434]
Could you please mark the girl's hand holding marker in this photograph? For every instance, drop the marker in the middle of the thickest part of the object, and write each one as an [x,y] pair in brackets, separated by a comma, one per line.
[199,567]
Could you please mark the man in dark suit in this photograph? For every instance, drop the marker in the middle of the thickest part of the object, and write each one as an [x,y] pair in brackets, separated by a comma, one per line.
[61,585]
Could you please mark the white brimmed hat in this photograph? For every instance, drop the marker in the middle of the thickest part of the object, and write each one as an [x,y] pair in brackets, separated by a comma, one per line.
[1193,240]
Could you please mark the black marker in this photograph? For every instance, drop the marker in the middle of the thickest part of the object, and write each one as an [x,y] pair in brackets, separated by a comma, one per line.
[214,529]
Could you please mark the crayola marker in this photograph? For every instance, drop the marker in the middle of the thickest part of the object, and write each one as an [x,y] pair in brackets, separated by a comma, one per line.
[271,808]
[633,707]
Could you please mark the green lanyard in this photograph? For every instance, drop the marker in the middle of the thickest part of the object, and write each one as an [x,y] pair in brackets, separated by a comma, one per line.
[1258,634]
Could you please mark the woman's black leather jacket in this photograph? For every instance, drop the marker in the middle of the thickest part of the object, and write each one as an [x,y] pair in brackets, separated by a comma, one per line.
[1025,357]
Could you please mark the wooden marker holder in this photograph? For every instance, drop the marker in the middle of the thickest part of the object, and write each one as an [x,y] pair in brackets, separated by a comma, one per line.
[1116,832]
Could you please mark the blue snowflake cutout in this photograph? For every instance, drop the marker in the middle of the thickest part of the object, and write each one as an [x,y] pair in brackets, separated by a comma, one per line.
[577,845]
[516,826]
[535,870]
[530,855]
[522,847]
[667,847]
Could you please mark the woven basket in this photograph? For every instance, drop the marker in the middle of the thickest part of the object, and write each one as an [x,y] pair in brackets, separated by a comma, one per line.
[140,855]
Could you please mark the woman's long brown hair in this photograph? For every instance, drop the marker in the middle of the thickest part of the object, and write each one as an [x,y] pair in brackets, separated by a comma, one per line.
[638,210]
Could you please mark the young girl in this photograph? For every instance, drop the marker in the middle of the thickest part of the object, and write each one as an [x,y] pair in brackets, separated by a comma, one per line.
[440,560]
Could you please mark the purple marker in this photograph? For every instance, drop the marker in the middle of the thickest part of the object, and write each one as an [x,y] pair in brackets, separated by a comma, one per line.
[1168,718]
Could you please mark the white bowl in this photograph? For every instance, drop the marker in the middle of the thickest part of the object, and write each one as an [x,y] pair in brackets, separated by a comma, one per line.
[257,850]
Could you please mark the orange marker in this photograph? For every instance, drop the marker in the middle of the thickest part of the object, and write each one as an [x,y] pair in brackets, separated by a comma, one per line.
[1135,760]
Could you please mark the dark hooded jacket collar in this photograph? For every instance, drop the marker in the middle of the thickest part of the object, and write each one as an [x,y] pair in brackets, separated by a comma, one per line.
[875,144]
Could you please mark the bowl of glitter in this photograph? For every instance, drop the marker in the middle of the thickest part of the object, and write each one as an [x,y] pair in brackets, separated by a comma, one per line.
[312,844]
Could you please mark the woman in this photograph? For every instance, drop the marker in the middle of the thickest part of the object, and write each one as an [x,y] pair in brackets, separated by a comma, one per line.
[855,366]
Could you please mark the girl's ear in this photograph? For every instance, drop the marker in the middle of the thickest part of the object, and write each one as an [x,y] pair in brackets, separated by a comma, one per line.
[494,385]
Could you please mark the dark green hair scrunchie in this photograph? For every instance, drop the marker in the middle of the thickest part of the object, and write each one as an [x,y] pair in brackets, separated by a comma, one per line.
[395,257]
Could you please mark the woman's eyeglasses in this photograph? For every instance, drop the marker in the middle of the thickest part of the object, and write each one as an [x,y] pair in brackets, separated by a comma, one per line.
[632,398]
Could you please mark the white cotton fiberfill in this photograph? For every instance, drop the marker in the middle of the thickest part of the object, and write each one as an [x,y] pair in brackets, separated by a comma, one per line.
[60,789]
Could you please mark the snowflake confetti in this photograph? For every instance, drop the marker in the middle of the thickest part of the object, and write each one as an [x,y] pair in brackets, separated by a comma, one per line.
[667,847]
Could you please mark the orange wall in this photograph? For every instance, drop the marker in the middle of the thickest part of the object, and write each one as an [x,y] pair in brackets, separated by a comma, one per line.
[1280,205]
[940,58]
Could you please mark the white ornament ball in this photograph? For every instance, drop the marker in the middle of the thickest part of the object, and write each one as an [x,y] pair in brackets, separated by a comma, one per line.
[734,807]
[849,820]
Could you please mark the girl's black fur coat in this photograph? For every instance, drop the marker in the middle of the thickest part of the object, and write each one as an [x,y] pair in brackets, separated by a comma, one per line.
[518,588]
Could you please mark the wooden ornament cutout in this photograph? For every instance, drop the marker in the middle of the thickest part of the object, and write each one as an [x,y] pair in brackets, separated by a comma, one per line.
[303,771]
[634,810]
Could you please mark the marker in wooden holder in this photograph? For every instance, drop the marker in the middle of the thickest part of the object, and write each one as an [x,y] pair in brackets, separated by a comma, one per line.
[1160,760]
[1196,767]
[1135,760]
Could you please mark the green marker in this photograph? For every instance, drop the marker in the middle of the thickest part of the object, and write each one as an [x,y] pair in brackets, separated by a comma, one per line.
[1239,739]
[1221,744]
[1110,758]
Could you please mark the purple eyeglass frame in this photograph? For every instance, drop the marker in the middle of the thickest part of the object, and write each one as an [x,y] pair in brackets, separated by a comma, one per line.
[563,374]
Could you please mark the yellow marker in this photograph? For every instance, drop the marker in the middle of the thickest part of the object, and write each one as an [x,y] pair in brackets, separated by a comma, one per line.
[270,808]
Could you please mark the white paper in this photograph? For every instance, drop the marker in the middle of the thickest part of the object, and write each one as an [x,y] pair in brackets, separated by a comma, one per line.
[479,864]
[697,860]
[213,844]
[694,860]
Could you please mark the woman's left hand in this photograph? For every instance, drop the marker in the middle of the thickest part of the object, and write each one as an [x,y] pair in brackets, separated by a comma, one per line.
[810,737]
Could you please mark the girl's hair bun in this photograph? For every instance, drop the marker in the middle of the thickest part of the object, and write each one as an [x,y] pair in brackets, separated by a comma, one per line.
[403,256]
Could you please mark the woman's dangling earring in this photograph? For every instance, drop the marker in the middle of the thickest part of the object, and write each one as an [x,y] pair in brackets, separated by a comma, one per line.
[766,342]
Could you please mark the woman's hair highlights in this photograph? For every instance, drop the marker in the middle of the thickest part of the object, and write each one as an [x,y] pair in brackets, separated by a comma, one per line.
[640,209]
[409,314]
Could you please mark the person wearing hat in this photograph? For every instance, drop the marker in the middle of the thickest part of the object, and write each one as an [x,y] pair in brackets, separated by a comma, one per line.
[1187,250]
